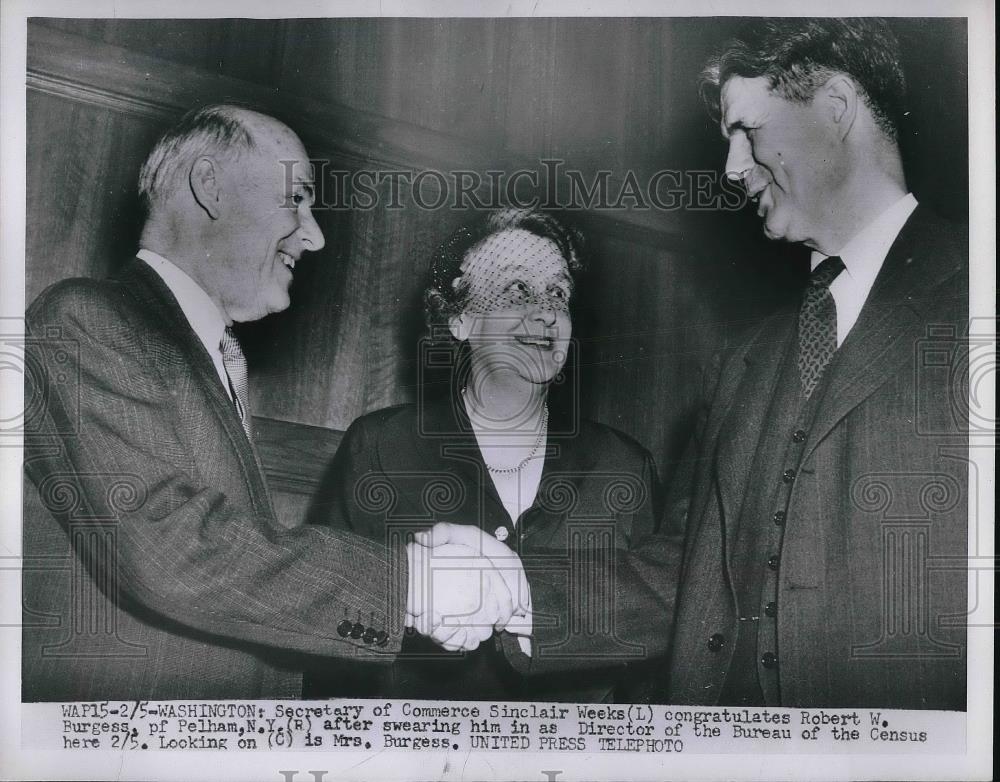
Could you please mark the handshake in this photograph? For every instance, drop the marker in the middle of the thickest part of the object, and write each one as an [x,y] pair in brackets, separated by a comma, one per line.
[463,585]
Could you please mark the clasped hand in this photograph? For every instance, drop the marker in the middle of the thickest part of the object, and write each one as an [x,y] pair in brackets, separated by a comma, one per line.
[463,585]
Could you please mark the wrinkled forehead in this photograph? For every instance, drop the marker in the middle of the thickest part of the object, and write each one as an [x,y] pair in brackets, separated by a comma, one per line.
[514,252]
[742,102]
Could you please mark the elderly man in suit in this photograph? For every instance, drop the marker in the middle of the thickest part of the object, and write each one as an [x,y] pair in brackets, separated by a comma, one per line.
[825,504]
[139,440]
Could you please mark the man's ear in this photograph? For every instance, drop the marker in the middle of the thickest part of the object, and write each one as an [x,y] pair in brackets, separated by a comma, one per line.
[840,96]
[459,327]
[206,187]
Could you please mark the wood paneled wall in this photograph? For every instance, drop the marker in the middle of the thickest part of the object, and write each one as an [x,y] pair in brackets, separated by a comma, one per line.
[589,90]
[664,289]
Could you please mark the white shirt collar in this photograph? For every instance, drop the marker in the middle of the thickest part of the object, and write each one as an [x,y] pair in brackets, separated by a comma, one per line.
[866,250]
[863,257]
[197,306]
[201,312]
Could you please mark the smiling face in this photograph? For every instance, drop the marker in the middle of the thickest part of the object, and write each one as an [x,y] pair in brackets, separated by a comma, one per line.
[516,319]
[268,196]
[788,156]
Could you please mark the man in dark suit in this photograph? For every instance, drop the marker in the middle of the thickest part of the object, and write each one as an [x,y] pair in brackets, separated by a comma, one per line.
[823,504]
[827,527]
[176,579]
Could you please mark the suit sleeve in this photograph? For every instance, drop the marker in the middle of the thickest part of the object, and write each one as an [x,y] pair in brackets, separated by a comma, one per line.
[609,607]
[105,430]
[643,583]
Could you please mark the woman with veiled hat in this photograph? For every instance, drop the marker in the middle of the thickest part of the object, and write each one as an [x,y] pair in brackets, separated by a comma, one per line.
[493,454]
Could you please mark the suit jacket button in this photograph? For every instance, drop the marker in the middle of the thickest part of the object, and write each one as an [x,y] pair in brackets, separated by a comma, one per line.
[716,642]
[772,562]
[768,660]
[771,609]
[368,636]
[357,630]
[381,638]
[798,436]
[788,476]
[344,628]
[779,517]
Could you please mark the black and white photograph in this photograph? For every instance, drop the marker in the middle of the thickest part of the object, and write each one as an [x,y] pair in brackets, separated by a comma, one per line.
[403,392]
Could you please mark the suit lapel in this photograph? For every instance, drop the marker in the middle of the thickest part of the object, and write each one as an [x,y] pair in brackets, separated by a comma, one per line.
[745,417]
[171,329]
[167,318]
[569,461]
[453,444]
[884,336]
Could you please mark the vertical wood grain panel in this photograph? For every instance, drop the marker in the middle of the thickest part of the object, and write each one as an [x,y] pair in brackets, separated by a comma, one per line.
[440,74]
[645,329]
[217,45]
[530,65]
[81,171]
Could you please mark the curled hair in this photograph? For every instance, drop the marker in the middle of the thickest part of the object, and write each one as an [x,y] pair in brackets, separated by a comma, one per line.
[444,298]
[797,56]
[218,129]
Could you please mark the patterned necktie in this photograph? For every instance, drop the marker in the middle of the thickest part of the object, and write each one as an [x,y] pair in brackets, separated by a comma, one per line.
[818,324]
[236,367]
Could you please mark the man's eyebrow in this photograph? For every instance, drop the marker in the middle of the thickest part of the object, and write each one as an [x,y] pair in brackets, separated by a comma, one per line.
[734,125]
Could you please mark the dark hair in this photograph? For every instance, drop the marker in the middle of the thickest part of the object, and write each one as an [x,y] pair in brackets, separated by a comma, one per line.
[218,128]
[444,299]
[797,56]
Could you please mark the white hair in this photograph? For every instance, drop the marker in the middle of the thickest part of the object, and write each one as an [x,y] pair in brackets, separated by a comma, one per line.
[218,129]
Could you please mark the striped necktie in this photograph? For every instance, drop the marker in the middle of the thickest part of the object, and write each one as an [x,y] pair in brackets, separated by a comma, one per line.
[818,324]
[236,368]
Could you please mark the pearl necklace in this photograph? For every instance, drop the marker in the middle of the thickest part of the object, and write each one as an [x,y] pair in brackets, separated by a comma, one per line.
[534,449]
